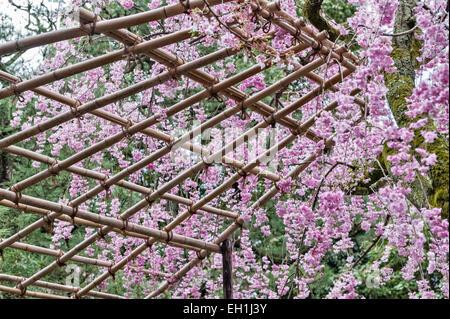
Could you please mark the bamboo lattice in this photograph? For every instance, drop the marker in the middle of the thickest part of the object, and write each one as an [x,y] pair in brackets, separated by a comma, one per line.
[15,197]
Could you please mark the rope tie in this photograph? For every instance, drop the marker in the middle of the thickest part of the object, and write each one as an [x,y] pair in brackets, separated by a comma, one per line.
[94,24]
[191,211]
[266,27]
[106,187]
[213,94]
[244,114]
[59,262]
[17,45]
[295,132]
[53,172]
[186,5]
[254,18]
[174,73]
[130,55]
[48,221]
[242,172]
[112,273]
[16,92]
[199,255]
[270,120]
[147,198]
[124,223]
[240,222]
[74,214]
[101,234]
[76,294]
[17,193]
[205,161]
[169,235]
[76,112]
[126,130]
[318,46]
[23,290]
[170,144]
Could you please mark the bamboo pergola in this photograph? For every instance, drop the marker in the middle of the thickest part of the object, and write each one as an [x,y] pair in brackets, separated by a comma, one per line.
[90,23]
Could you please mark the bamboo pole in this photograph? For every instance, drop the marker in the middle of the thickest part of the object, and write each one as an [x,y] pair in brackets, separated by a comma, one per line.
[54,286]
[280,116]
[58,253]
[102,27]
[29,293]
[94,63]
[111,98]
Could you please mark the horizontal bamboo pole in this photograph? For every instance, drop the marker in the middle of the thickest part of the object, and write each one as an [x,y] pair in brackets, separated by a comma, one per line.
[111,98]
[108,221]
[31,209]
[58,253]
[29,293]
[8,242]
[102,27]
[94,63]
[54,286]
[170,60]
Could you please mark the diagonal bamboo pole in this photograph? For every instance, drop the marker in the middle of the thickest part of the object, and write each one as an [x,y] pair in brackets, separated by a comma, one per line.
[102,27]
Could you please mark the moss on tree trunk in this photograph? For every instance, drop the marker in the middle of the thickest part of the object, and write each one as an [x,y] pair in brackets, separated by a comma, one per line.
[400,84]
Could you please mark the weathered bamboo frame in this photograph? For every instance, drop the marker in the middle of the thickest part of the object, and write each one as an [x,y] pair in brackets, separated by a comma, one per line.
[133,44]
